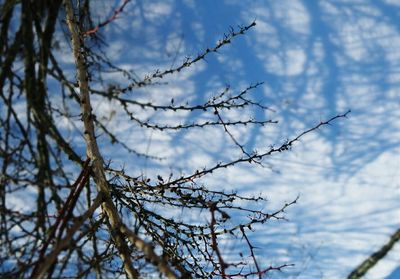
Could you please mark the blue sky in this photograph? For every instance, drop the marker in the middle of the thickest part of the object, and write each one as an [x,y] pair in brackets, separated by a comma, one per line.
[317,59]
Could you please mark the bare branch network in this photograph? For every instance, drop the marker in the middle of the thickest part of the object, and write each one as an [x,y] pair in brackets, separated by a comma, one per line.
[83,216]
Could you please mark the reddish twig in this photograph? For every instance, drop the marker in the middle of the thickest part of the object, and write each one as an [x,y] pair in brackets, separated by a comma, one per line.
[73,197]
[65,212]
[107,21]
[43,266]
[70,205]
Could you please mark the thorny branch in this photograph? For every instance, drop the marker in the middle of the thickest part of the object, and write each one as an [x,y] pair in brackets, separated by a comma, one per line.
[214,242]
[159,74]
[251,247]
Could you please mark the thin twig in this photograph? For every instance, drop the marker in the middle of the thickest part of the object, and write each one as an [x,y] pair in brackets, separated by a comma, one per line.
[107,21]
[61,218]
[251,247]
[222,264]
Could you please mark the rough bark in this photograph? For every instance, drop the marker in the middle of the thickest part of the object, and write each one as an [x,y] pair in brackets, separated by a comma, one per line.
[119,230]
[372,260]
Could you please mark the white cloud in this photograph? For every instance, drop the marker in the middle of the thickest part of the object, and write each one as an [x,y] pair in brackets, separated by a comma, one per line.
[289,62]
[292,14]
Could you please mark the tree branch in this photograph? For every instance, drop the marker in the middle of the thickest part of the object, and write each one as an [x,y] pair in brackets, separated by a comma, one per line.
[372,260]
[43,265]
[94,154]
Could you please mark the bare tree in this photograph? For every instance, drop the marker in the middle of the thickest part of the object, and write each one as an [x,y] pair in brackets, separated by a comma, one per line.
[89,217]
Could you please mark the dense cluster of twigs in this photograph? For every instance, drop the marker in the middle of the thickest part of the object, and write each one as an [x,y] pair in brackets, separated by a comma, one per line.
[104,220]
